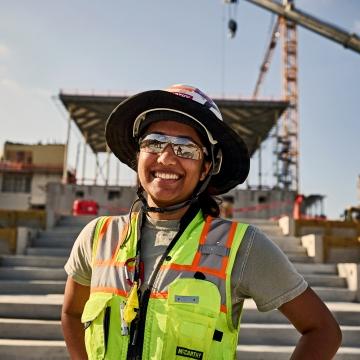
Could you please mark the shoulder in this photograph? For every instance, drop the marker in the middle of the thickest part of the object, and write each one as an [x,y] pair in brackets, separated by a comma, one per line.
[88,232]
[264,272]
[258,246]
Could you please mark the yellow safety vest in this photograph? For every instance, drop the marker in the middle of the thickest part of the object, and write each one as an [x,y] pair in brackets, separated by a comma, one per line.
[186,317]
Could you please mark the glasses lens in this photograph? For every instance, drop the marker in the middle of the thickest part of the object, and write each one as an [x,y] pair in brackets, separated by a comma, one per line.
[152,145]
[182,147]
[187,151]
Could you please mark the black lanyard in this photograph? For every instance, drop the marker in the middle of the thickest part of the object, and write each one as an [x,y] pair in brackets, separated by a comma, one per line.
[138,325]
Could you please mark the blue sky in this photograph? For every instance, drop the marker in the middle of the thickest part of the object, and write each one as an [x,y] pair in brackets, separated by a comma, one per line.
[122,47]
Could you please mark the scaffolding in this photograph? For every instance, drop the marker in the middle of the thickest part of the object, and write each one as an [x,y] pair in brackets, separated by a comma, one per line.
[288,137]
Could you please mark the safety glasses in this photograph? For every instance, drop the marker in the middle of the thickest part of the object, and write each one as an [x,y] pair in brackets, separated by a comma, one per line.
[183,147]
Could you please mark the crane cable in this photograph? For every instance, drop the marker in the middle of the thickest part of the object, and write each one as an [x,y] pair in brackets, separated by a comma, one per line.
[232,16]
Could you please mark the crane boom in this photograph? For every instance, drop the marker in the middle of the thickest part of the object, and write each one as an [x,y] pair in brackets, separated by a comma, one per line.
[348,40]
[267,58]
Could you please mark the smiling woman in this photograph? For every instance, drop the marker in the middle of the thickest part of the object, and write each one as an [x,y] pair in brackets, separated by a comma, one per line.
[169,280]
[167,177]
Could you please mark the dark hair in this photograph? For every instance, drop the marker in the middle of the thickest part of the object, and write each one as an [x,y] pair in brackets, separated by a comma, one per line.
[208,205]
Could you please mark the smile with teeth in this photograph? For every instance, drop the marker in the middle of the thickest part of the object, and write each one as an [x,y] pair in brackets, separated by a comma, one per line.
[166,176]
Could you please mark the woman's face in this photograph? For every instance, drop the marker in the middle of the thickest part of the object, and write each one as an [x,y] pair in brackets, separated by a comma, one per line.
[167,178]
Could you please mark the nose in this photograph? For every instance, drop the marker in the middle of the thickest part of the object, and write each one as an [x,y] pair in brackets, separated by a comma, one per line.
[167,156]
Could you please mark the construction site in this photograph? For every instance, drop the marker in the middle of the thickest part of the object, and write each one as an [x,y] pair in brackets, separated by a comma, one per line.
[45,203]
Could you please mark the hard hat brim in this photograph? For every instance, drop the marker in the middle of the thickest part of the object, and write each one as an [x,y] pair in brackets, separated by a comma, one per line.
[119,135]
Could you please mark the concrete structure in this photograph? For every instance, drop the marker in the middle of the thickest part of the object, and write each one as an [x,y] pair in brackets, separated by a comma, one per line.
[326,241]
[31,287]
[262,203]
[111,199]
[250,119]
[25,171]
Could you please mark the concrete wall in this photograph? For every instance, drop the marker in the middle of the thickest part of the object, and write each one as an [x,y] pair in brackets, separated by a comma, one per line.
[60,199]
[351,272]
[327,249]
[38,187]
[47,154]
[14,201]
[342,230]
[23,201]
[262,204]
[351,255]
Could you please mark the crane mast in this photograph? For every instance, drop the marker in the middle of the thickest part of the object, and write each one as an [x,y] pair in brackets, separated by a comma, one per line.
[288,138]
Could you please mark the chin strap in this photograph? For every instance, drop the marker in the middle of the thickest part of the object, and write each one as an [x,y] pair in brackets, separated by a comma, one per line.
[146,208]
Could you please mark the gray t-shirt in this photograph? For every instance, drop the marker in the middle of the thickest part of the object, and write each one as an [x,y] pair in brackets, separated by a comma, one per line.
[261,270]
[156,235]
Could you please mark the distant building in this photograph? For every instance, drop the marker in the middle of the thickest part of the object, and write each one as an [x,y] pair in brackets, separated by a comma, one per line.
[25,170]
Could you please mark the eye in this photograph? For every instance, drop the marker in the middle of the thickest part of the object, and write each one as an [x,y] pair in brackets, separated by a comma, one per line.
[154,143]
[157,144]
[188,154]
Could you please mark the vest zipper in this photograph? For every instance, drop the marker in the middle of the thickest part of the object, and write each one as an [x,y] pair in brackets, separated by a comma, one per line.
[106,326]
[137,330]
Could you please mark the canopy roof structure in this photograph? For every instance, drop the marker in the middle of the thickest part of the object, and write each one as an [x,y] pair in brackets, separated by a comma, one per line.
[251,119]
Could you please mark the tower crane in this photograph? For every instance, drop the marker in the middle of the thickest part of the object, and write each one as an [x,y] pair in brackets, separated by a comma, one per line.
[287,148]
[332,32]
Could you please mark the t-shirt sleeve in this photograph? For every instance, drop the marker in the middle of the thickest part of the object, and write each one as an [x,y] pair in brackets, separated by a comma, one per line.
[78,266]
[265,273]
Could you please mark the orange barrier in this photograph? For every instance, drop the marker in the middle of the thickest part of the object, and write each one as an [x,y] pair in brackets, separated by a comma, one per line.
[85,207]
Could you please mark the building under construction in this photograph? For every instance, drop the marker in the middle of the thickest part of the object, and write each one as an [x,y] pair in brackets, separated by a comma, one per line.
[34,245]
[253,120]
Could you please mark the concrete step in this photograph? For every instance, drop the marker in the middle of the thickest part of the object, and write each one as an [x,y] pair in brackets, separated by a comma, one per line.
[64,243]
[330,269]
[296,258]
[266,352]
[285,334]
[325,280]
[257,222]
[295,250]
[75,220]
[11,349]
[65,229]
[38,261]
[30,329]
[271,230]
[42,307]
[334,294]
[345,313]
[251,334]
[31,287]
[32,273]
[286,240]
[54,235]
[48,251]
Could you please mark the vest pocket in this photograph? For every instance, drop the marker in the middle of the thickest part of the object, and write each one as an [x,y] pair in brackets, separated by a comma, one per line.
[193,309]
[96,320]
